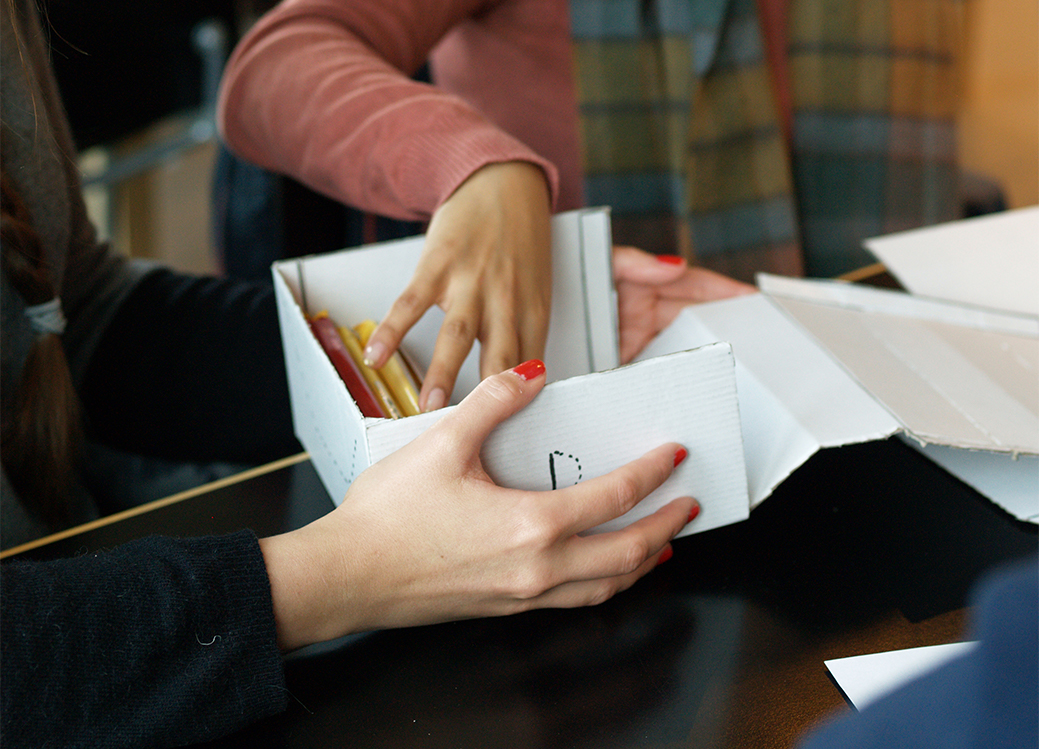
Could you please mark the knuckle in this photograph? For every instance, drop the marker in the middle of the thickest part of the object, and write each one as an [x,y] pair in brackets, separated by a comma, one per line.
[530,582]
[601,592]
[446,247]
[636,552]
[530,540]
[627,492]
[501,388]
[499,364]
[410,302]
[538,311]
[536,531]
[458,329]
[447,441]
[506,315]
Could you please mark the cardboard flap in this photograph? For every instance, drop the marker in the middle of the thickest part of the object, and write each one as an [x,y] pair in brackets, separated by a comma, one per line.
[1013,484]
[951,375]
[323,413]
[988,261]
[794,399]
[586,426]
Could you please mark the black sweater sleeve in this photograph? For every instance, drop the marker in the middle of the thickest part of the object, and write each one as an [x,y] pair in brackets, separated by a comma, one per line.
[158,642]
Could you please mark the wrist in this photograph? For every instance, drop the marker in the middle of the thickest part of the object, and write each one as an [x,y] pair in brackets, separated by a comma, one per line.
[306,584]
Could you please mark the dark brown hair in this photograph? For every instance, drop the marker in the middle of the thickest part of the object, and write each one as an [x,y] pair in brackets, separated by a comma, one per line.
[41,432]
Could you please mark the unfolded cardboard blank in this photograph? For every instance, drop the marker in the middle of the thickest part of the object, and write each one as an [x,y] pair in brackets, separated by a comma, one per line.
[822,364]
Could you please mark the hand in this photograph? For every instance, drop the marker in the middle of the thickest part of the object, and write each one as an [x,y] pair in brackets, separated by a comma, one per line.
[487,263]
[425,535]
[652,290]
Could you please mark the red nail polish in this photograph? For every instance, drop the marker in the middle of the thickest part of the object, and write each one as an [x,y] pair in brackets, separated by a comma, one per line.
[528,370]
[666,554]
[671,259]
[680,455]
[693,513]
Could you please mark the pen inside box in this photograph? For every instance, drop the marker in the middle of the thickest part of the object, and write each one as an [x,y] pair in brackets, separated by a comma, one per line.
[388,392]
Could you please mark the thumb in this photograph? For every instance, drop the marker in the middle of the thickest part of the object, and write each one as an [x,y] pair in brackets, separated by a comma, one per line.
[495,399]
[633,265]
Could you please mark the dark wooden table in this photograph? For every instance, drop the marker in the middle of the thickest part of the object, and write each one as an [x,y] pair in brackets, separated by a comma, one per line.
[864,549]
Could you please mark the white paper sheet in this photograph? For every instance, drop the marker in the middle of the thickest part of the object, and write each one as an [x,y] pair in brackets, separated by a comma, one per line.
[866,678]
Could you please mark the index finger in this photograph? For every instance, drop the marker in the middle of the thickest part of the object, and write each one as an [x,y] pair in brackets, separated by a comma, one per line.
[406,310]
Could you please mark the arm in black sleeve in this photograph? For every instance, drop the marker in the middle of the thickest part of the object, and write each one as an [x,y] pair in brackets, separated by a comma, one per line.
[158,642]
[192,369]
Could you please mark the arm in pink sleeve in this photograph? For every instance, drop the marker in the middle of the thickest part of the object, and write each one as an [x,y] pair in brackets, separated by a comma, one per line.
[522,49]
[319,89]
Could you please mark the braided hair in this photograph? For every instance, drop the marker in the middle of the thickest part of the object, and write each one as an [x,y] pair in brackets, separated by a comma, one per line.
[41,434]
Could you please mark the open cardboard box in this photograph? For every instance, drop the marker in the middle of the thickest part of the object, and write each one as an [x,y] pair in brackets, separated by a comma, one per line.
[823,363]
[590,419]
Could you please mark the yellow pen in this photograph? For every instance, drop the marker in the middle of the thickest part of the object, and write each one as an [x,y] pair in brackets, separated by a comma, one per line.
[395,373]
[382,393]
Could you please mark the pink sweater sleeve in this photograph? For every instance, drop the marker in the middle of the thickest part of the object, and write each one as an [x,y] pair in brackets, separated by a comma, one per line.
[320,90]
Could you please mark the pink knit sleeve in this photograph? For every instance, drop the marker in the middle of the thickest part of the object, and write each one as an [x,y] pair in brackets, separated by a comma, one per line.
[320,90]
[515,64]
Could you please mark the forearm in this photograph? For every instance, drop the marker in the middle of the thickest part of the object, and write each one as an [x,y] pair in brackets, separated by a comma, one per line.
[319,89]
[307,583]
[157,642]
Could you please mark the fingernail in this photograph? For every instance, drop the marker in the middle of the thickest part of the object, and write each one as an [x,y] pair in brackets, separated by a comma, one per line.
[671,259]
[680,455]
[693,513]
[666,554]
[528,370]
[437,399]
[373,353]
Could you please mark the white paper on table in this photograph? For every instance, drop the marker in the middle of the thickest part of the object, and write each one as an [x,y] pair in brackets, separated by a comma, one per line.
[866,678]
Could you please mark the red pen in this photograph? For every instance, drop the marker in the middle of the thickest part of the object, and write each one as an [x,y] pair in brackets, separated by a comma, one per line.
[327,334]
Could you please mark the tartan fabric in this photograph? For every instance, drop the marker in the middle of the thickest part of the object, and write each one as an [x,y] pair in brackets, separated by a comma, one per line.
[682,135]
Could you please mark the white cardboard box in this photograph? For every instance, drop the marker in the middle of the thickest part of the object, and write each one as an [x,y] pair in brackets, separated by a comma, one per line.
[590,419]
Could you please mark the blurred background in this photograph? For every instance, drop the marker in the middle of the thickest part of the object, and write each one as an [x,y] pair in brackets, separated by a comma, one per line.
[139,82]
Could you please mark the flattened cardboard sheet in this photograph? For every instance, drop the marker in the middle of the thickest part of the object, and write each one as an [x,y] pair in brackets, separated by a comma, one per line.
[950,375]
[794,398]
[823,364]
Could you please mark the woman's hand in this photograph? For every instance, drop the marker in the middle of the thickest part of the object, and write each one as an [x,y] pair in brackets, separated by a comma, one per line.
[652,290]
[487,263]
[426,536]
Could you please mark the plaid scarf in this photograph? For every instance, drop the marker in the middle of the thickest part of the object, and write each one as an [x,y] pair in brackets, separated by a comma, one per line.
[683,136]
